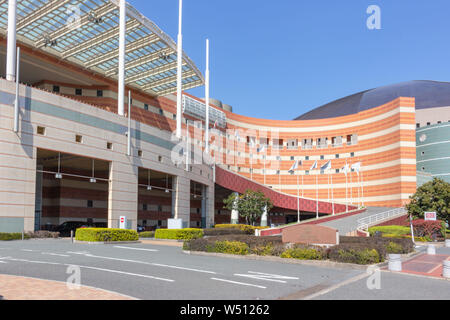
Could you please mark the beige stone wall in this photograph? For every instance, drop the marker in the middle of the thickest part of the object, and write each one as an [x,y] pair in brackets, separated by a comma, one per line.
[18,155]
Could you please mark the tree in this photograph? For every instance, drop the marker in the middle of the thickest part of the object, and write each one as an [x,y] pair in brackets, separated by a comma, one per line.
[251,205]
[433,196]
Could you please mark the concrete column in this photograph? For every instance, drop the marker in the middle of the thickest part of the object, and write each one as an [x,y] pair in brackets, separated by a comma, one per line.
[11,49]
[182,211]
[210,205]
[179,70]
[235,213]
[204,209]
[121,75]
[264,218]
[123,194]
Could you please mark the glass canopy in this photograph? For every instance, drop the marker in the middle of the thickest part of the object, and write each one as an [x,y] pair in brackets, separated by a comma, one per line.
[86,32]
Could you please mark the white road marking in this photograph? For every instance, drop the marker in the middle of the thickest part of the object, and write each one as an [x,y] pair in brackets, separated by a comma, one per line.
[266,277]
[3,262]
[81,253]
[182,268]
[128,273]
[239,283]
[150,264]
[27,250]
[92,268]
[139,249]
[55,254]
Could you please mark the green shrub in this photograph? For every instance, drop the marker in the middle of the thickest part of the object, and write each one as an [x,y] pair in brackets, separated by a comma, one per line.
[179,234]
[222,231]
[407,246]
[105,235]
[244,227]
[147,234]
[304,254]
[257,245]
[357,254]
[394,248]
[231,247]
[43,235]
[393,230]
[12,236]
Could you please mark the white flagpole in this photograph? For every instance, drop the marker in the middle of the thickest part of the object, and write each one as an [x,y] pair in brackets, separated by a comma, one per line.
[122,44]
[351,185]
[298,200]
[362,187]
[129,125]
[359,187]
[179,69]
[16,102]
[346,188]
[265,158]
[317,196]
[332,194]
[207,97]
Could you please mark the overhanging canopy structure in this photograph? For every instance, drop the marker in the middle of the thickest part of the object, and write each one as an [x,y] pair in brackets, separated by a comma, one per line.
[86,33]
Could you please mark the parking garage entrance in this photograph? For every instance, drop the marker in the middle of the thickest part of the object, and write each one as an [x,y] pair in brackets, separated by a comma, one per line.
[70,189]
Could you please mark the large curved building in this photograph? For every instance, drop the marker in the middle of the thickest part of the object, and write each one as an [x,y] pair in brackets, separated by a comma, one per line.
[74,157]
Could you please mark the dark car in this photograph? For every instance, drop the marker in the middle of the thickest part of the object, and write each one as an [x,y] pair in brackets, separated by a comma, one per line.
[65,228]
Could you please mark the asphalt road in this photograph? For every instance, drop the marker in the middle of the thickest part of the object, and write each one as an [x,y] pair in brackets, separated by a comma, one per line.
[166,273]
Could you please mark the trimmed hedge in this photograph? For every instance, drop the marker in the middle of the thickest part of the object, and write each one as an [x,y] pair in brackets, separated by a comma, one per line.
[262,246]
[147,234]
[231,247]
[246,228]
[43,234]
[392,230]
[105,235]
[222,232]
[304,254]
[406,245]
[12,236]
[179,234]
[352,253]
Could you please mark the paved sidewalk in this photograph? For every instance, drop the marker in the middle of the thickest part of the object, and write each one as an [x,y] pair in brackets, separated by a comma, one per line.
[20,288]
[426,265]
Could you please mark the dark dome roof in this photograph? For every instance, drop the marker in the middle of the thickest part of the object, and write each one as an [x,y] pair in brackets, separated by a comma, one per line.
[428,94]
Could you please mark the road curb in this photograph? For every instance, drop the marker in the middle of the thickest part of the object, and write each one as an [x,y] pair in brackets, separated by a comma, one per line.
[322,263]
[106,243]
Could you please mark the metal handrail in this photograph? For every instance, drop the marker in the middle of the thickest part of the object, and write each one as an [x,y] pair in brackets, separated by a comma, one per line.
[365,223]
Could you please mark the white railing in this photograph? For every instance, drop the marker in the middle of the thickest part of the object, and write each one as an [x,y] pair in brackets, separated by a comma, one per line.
[365,223]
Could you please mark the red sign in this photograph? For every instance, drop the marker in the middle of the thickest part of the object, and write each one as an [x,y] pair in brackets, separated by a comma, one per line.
[122,220]
[430,216]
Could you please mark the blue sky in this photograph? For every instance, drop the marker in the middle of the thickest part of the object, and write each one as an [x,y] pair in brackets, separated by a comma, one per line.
[280,59]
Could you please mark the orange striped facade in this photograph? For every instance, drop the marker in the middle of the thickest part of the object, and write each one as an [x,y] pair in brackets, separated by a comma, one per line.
[385,148]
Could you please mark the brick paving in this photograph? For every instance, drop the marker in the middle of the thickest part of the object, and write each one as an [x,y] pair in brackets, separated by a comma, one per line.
[20,288]
[426,265]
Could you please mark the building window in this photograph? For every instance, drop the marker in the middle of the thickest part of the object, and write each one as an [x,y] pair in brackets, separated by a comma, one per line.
[146,106]
[337,170]
[428,123]
[90,204]
[160,208]
[109,146]
[322,157]
[78,92]
[140,153]
[352,154]
[161,112]
[99,93]
[292,158]
[78,138]
[174,116]
[41,131]
[144,207]
[307,158]
[56,89]
[337,156]
[417,125]
[160,158]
